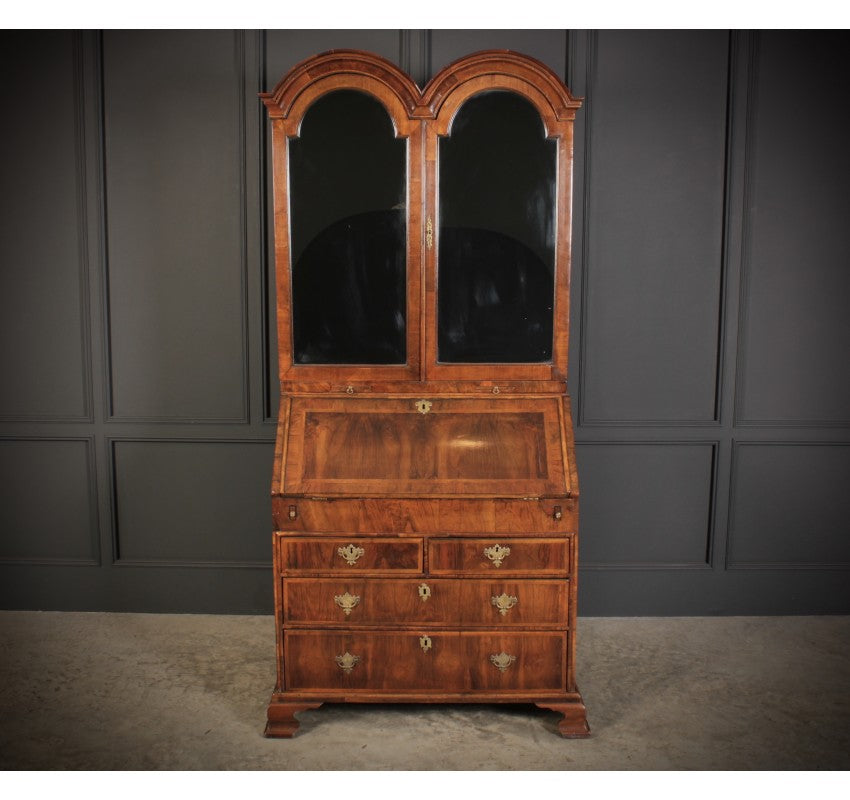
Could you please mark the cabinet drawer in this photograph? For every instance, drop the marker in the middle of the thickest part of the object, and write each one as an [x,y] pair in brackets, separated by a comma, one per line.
[309,555]
[446,661]
[444,602]
[503,556]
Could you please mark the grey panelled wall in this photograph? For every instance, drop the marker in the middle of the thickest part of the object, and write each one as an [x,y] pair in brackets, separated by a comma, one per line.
[710,325]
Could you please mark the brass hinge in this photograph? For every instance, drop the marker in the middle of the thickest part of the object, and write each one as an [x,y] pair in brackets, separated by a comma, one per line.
[317,498]
[530,498]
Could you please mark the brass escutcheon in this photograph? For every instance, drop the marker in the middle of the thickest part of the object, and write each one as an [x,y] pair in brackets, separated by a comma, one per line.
[429,233]
[504,603]
[346,602]
[423,406]
[497,554]
[425,643]
[346,661]
[351,553]
[502,661]
[424,591]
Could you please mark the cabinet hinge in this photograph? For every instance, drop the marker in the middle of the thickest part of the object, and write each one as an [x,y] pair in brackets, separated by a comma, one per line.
[317,498]
[530,498]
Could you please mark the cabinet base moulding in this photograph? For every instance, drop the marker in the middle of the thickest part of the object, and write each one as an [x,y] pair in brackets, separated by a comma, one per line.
[283,707]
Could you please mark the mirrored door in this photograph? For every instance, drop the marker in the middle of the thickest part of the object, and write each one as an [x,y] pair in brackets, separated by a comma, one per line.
[496,234]
[498,201]
[347,169]
[348,234]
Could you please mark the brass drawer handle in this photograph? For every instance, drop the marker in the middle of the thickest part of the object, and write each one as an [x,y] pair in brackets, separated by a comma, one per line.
[502,661]
[425,643]
[424,591]
[347,661]
[351,553]
[504,603]
[497,554]
[346,602]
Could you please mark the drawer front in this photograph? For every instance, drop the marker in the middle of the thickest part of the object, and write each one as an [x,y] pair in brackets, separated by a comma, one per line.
[498,556]
[433,602]
[310,555]
[446,661]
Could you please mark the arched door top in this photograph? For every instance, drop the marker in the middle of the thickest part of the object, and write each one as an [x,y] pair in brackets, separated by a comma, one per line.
[488,69]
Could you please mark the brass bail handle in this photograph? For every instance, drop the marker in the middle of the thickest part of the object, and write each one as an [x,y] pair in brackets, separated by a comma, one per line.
[347,661]
[350,553]
[504,602]
[501,661]
[497,554]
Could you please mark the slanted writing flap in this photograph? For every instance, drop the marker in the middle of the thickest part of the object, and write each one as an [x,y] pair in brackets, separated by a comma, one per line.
[437,446]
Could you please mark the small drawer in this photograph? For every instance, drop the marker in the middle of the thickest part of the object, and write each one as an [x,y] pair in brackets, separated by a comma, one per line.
[502,556]
[447,602]
[312,555]
[419,661]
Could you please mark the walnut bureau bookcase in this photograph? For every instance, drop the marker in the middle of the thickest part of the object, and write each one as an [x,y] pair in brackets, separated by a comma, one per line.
[424,495]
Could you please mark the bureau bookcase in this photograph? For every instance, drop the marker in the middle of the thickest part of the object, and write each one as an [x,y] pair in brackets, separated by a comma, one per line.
[424,491]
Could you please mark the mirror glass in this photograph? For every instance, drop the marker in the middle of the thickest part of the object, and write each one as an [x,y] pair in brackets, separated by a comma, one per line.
[496,234]
[348,237]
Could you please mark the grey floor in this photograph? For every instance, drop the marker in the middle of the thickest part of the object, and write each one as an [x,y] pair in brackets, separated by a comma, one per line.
[145,691]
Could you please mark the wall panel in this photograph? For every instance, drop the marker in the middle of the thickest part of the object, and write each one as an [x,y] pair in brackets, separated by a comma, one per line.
[47,504]
[645,504]
[656,118]
[795,320]
[192,501]
[43,342]
[790,505]
[173,120]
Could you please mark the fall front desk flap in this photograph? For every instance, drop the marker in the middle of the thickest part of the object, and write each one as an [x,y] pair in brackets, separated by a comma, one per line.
[410,446]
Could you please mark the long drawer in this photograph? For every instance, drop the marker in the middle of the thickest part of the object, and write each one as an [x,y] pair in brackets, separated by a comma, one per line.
[491,602]
[445,661]
[499,556]
[306,555]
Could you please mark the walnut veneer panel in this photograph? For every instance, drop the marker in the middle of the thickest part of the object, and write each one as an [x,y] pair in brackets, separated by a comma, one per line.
[470,556]
[394,661]
[304,555]
[503,447]
[470,516]
[449,602]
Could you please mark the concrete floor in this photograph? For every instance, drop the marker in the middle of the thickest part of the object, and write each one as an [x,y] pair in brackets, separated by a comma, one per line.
[147,692]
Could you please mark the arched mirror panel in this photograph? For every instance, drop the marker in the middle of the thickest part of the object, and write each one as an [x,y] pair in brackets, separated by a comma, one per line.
[497,228]
[348,233]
